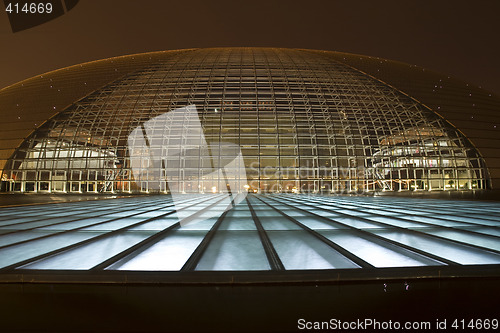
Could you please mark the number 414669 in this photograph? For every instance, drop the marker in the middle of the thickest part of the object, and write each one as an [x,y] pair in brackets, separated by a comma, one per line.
[29,8]
[478,324]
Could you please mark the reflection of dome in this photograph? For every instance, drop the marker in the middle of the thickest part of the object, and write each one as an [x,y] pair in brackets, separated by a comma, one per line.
[305,121]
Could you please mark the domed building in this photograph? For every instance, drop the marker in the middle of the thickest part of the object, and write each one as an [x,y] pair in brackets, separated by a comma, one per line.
[288,120]
[251,145]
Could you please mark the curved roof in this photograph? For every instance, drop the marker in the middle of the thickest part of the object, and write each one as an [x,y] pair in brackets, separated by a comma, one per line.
[25,106]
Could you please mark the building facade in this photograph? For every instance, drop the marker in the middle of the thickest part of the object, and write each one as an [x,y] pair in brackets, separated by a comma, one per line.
[245,119]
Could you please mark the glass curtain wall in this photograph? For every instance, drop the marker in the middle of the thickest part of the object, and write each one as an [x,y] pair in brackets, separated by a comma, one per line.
[304,123]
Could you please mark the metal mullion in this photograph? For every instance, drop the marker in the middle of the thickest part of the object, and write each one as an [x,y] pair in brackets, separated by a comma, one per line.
[377,239]
[143,245]
[135,249]
[470,224]
[433,226]
[489,218]
[359,209]
[481,209]
[57,223]
[87,241]
[427,115]
[70,230]
[430,255]
[355,259]
[411,231]
[271,254]
[160,89]
[424,210]
[37,219]
[195,257]
[286,82]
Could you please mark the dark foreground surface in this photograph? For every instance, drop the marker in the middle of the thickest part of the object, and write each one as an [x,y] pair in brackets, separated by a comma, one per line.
[161,304]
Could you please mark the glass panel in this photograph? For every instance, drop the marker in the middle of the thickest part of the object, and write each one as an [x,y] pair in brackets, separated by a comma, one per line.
[315,223]
[322,212]
[294,212]
[199,224]
[267,212]
[393,222]
[22,236]
[13,219]
[352,212]
[488,231]
[16,253]
[277,223]
[75,224]
[157,224]
[169,254]
[379,210]
[435,221]
[30,225]
[237,223]
[462,236]
[376,254]
[355,223]
[239,213]
[455,252]
[300,250]
[234,250]
[493,216]
[90,255]
[154,213]
[471,219]
[114,225]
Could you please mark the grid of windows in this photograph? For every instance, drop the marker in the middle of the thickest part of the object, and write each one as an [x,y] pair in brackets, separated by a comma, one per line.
[262,232]
[304,123]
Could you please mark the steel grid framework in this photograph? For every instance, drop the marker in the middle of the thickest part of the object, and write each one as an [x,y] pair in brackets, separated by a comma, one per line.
[304,122]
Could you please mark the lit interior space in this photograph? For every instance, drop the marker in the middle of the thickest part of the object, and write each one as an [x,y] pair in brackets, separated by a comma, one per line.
[260,233]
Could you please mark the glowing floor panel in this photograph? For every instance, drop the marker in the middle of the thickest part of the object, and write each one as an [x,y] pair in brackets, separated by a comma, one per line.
[261,233]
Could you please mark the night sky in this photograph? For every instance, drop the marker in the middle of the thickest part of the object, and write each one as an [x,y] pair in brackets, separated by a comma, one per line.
[457,38]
